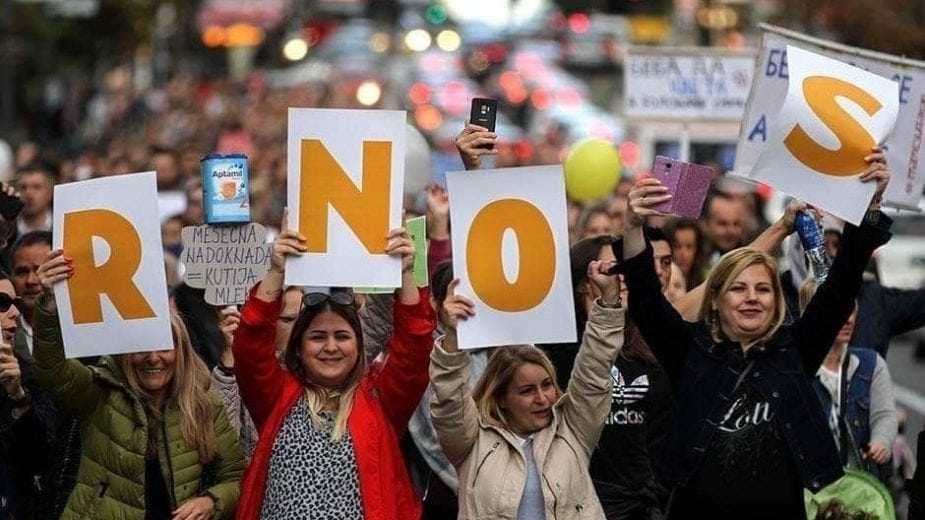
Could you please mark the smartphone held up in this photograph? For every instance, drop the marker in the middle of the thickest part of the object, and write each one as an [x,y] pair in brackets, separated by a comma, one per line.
[484,113]
[688,184]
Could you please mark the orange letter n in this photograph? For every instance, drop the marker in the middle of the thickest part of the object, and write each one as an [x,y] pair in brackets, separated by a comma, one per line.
[324,182]
[855,141]
[114,277]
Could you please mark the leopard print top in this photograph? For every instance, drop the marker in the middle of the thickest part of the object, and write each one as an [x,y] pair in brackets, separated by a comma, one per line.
[309,476]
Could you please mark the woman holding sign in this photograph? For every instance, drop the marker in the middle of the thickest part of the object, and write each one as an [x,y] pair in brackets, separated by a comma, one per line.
[521,447]
[329,424]
[746,436]
[156,443]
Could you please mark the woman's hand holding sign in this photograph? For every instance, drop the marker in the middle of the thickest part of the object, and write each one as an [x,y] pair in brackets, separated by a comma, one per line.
[879,172]
[455,308]
[56,268]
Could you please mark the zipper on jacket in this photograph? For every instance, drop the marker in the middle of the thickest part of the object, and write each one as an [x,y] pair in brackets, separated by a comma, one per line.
[485,458]
[103,488]
[173,497]
[555,499]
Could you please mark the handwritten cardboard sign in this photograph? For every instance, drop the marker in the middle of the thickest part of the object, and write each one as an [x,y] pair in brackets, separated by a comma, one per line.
[226,261]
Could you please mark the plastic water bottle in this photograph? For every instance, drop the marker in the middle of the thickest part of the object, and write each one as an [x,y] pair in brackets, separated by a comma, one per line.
[814,245]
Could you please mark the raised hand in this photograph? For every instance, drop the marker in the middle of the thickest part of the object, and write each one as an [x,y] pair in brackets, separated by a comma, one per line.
[472,143]
[10,373]
[56,268]
[607,285]
[877,171]
[229,320]
[645,195]
[455,308]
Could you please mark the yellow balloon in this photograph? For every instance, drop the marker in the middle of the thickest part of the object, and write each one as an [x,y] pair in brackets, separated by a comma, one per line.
[592,170]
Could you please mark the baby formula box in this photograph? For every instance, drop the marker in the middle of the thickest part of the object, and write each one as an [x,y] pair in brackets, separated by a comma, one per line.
[225,190]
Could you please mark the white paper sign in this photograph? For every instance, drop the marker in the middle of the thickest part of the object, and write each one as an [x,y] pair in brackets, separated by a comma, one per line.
[352,165]
[687,83]
[831,118]
[116,301]
[905,152]
[511,254]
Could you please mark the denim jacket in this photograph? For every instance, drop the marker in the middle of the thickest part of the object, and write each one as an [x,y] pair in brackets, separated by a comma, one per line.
[705,373]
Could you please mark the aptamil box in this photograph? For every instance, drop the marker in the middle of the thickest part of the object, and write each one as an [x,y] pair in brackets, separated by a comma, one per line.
[225,192]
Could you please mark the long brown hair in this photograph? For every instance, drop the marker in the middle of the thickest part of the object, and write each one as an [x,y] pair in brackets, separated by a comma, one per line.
[190,387]
[499,372]
[581,254]
[724,274]
[319,397]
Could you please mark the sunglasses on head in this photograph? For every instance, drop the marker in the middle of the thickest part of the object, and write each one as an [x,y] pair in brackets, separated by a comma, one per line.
[6,301]
[317,298]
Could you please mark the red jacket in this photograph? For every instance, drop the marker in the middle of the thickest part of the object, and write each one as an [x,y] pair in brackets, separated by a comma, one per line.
[382,406]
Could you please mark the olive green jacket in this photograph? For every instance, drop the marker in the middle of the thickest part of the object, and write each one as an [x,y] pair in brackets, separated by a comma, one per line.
[110,482]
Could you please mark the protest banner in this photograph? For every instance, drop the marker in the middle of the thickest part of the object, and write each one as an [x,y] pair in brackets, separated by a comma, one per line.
[345,179]
[417,228]
[694,84]
[511,255]
[834,113]
[904,146]
[116,301]
[226,261]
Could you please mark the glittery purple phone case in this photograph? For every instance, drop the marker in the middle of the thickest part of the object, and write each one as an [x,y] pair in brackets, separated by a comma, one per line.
[687,182]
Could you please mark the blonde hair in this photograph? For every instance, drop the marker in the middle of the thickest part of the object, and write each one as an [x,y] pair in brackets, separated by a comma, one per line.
[730,266]
[321,398]
[499,372]
[190,387]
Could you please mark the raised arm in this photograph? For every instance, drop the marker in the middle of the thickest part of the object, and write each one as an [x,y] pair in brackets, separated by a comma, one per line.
[588,398]
[452,408]
[883,423]
[660,324]
[403,378]
[68,382]
[815,330]
[259,375]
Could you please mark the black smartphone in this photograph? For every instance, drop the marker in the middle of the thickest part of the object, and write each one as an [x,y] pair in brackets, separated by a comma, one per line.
[484,113]
[10,206]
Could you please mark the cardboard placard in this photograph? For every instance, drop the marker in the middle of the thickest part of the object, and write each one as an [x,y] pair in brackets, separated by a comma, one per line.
[226,261]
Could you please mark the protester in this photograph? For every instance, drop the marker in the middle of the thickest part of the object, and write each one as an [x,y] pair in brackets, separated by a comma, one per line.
[724,226]
[432,473]
[26,421]
[329,424]
[688,249]
[156,441]
[634,430]
[856,393]
[35,185]
[28,253]
[521,448]
[224,380]
[594,221]
[746,436]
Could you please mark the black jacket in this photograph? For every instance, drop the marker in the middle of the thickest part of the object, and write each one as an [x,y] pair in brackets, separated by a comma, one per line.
[704,373]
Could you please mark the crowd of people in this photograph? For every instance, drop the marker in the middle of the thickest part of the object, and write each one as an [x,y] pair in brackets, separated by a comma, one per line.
[708,381]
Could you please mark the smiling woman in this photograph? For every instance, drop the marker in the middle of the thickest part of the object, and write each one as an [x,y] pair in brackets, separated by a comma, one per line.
[156,442]
[747,436]
[329,421]
[520,446]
